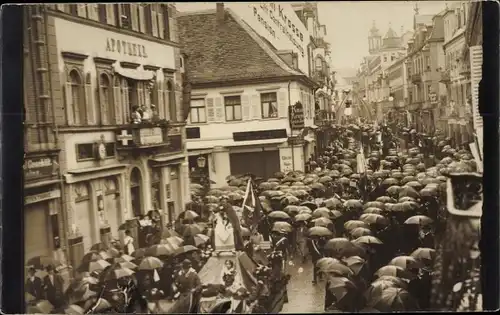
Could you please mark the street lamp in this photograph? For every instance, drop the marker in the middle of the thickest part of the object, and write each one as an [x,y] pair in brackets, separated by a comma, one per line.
[391,98]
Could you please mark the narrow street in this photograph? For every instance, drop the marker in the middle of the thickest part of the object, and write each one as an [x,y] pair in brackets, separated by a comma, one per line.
[303,296]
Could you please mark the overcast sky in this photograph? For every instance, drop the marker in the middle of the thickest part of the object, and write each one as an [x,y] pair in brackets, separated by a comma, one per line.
[348,23]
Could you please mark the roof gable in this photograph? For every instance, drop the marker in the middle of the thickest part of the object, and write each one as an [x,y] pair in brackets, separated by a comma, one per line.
[231,50]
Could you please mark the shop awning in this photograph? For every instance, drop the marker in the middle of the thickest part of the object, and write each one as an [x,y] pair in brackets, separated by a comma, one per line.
[203,145]
[199,152]
[134,74]
[172,159]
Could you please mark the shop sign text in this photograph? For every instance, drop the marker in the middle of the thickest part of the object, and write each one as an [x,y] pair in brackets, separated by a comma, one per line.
[126,48]
[38,167]
[42,197]
[149,136]
[296,114]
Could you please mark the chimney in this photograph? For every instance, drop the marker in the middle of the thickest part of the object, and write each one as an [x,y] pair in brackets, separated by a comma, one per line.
[220,12]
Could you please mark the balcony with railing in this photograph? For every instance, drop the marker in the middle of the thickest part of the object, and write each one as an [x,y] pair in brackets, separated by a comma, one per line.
[416,78]
[322,118]
[143,136]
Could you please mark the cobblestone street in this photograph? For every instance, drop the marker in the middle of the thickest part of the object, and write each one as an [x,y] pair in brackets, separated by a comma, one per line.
[303,296]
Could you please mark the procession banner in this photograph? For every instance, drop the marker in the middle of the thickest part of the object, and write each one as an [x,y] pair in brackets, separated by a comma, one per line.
[252,209]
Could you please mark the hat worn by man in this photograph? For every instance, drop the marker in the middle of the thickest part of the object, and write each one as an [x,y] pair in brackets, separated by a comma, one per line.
[186,263]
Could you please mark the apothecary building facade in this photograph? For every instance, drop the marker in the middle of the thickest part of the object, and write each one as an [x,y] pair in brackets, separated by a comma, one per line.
[113,59]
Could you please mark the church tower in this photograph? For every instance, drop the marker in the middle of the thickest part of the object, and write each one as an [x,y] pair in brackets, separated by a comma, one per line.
[374,40]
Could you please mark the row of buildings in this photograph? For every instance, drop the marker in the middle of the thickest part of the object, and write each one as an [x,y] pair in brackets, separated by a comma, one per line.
[426,77]
[218,86]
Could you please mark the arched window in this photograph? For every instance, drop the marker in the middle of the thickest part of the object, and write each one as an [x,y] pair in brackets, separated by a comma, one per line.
[172,107]
[126,106]
[105,93]
[76,98]
[319,63]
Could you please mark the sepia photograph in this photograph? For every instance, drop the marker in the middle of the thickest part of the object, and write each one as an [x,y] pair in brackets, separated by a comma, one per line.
[252,157]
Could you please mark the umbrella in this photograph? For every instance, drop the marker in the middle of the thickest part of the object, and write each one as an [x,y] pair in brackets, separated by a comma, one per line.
[41,262]
[372,218]
[406,262]
[169,233]
[116,272]
[95,265]
[150,263]
[325,179]
[414,184]
[191,230]
[123,258]
[127,264]
[322,262]
[394,190]
[408,179]
[397,282]
[319,231]
[128,225]
[161,250]
[335,214]
[291,209]
[352,224]
[374,204]
[338,244]
[394,271]
[423,253]
[355,263]
[41,307]
[403,199]
[290,200]
[91,256]
[353,204]
[302,217]
[360,231]
[322,221]
[367,239]
[279,215]
[385,199]
[74,309]
[188,215]
[407,191]
[376,288]
[98,247]
[373,210]
[212,199]
[340,287]
[337,269]
[321,212]
[174,241]
[428,192]
[282,227]
[419,219]
[310,205]
[333,203]
[318,186]
[395,299]
[185,249]
[200,239]
[390,181]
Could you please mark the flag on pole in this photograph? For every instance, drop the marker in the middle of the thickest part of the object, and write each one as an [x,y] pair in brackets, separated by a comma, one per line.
[252,208]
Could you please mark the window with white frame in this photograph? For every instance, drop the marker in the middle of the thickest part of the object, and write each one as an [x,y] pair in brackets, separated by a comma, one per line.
[76,99]
[232,105]
[198,112]
[269,105]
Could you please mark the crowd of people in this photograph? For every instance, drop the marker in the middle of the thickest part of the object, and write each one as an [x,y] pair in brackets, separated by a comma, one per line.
[366,212]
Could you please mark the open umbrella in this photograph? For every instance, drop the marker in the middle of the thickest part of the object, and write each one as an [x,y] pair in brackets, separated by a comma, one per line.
[373,210]
[279,215]
[98,247]
[403,199]
[336,269]
[319,231]
[302,217]
[339,245]
[394,190]
[360,231]
[397,282]
[74,309]
[322,221]
[385,199]
[322,262]
[390,182]
[318,186]
[150,263]
[188,215]
[333,203]
[374,204]
[191,230]
[355,263]
[291,209]
[41,262]
[185,249]
[407,191]
[367,239]
[174,241]
[372,218]
[95,265]
[352,224]
[91,256]
[340,287]
[353,204]
[374,291]
[290,200]
[395,300]
[406,262]
[161,250]
[310,205]
[127,264]
[169,233]
[394,271]
[424,254]
[115,272]
[419,219]
[200,239]
[325,179]
[321,212]
[282,227]
[335,214]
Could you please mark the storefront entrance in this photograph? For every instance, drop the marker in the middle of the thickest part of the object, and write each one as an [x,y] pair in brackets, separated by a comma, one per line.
[112,205]
[135,192]
[262,164]
[37,230]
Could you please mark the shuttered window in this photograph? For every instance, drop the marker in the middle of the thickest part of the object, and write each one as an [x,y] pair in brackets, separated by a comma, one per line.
[92,11]
[166,23]
[81,10]
[197,111]
[148,19]
[154,19]
[75,100]
[142,18]
[134,12]
[110,13]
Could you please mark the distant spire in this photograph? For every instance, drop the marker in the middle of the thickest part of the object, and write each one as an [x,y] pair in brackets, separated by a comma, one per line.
[402,30]
[416,9]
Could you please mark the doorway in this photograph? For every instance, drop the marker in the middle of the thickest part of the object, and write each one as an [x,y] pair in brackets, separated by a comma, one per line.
[135,192]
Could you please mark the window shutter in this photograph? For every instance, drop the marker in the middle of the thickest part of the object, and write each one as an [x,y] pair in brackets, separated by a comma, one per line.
[178,106]
[160,105]
[93,11]
[166,104]
[245,108]
[147,97]
[140,95]
[110,14]
[117,105]
[102,13]
[60,7]
[219,110]
[154,19]
[125,102]
[255,107]
[104,108]
[210,110]
[135,18]
[142,19]
[172,24]
[166,21]
[70,112]
[282,105]
[476,62]
[81,10]
[89,98]
[161,29]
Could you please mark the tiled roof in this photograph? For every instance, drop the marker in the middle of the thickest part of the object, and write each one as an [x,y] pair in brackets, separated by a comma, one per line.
[424,19]
[222,52]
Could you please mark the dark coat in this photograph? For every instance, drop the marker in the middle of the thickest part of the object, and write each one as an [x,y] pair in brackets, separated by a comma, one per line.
[315,250]
[53,291]
[187,281]
[35,288]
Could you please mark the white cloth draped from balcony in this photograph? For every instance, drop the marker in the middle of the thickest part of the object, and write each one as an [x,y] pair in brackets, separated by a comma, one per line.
[134,74]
